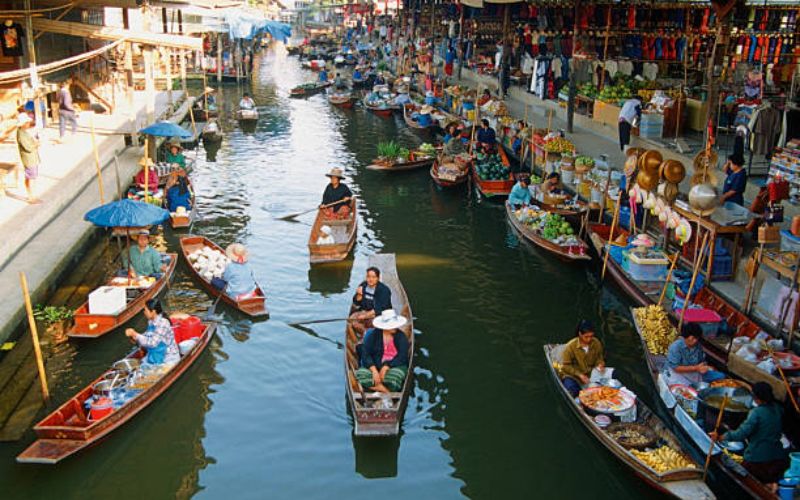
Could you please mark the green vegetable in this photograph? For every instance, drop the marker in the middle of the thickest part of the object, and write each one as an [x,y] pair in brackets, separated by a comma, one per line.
[52,314]
[389,149]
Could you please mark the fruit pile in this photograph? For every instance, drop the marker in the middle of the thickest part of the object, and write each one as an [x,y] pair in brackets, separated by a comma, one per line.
[663,459]
[559,145]
[588,89]
[624,89]
[584,161]
[657,330]
[427,149]
[555,226]
[491,168]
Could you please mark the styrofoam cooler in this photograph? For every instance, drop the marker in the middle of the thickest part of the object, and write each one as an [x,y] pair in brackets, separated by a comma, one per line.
[651,125]
[107,300]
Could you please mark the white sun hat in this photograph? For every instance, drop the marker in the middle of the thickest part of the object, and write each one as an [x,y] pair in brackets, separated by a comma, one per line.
[325,229]
[389,320]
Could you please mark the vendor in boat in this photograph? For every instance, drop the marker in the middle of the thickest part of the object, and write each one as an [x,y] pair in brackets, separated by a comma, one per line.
[371,299]
[764,457]
[402,99]
[357,76]
[238,278]
[175,154]
[247,102]
[338,82]
[581,355]
[384,355]
[323,75]
[423,117]
[142,259]
[159,339]
[337,196]
[520,195]
[736,180]
[379,80]
[326,236]
[552,184]
[486,97]
[430,98]
[152,176]
[486,137]
[453,145]
[686,357]
[178,193]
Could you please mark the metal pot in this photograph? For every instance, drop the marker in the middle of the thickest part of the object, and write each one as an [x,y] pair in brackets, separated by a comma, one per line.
[740,401]
[703,199]
[105,387]
[126,366]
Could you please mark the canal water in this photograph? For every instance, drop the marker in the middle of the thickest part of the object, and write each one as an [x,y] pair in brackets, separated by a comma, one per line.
[263,413]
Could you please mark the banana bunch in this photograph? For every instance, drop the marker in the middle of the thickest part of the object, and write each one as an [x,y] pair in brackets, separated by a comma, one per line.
[733,456]
[657,330]
[663,459]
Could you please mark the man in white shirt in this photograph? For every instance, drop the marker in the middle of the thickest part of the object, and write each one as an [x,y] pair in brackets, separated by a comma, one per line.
[629,116]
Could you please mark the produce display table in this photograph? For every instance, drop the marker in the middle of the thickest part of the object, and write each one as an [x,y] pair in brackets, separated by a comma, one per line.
[714,231]
[607,113]
[584,105]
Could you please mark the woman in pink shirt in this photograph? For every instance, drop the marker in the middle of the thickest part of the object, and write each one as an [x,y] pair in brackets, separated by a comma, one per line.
[384,354]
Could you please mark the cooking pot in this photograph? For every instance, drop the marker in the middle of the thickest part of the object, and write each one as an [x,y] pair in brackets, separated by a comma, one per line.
[126,366]
[703,199]
[740,401]
[106,386]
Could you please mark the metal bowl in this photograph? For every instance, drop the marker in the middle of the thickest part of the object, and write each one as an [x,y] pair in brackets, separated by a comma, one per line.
[703,199]
[104,387]
[126,365]
[740,400]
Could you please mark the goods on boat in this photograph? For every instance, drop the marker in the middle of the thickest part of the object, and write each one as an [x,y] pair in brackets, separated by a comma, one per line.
[247,115]
[209,262]
[427,149]
[606,399]
[559,145]
[108,402]
[583,161]
[343,232]
[491,168]
[531,222]
[664,459]
[552,227]
[656,328]
[632,435]
[380,414]
[254,305]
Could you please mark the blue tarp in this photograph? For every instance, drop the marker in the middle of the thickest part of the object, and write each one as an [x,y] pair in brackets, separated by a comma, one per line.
[166,129]
[246,26]
[126,213]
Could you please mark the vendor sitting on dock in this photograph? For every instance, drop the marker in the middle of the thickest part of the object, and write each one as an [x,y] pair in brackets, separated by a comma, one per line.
[152,176]
[520,195]
[159,339]
[247,102]
[238,278]
[487,139]
[178,193]
[384,355]
[581,355]
[686,357]
[142,259]
[175,154]
[371,299]
[764,456]
[736,180]
[337,196]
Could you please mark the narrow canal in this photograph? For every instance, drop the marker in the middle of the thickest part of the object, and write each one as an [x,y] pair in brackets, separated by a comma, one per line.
[263,413]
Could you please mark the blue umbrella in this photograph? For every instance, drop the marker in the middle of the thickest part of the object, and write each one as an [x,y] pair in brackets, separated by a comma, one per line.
[126,213]
[166,129]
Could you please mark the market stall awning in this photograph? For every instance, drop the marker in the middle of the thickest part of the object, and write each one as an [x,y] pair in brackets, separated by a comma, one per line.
[246,24]
[110,33]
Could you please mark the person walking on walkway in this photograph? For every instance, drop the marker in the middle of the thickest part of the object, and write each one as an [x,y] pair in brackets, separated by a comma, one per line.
[66,111]
[629,117]
[29,154]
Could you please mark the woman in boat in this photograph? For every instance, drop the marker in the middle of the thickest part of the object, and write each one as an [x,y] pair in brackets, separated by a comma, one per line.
[686,357]
[487,139]
[338,82]
[424,118]
[175,154]
[486,97]
[357,76]
[337,196]
[552,184]
[453,146]
[247,102]
[402,99]
[178,193]
[371,299]
[736,180]
[430,98]
[159,339]
[764,456]
[520,195]
[379,80]
[152,176]
[238,278]
[384,355]
[581,355]
[323,75]
[141,259]
[325,236]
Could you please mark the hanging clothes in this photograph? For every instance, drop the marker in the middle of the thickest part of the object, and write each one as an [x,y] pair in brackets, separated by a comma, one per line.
[765,127]
[11,35]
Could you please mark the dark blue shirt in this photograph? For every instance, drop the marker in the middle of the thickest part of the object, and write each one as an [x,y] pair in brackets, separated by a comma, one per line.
[372,351]
[379,301]
[487,135]
[736,181]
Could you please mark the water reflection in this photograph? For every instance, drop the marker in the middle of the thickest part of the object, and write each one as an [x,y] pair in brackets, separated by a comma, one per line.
[376,457]
[330,278]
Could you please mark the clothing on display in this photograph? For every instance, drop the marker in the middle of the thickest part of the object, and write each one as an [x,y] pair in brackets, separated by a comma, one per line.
[12,35]
[765,126]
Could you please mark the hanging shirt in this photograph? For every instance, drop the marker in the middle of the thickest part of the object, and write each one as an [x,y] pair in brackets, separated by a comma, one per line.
[12,40]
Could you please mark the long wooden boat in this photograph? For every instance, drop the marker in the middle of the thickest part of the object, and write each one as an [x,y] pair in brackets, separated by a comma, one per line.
[253,307]
[343,231]
[212,136]
[571,253]
[227,77]
[395,166]
[371,418]
[343,100]
[494,188]
[182,221]
[693,433]
[68,430]
[95,325]
[685,483]
[382,109]
[449,181]
[247,115]
[301,91]
[408,109]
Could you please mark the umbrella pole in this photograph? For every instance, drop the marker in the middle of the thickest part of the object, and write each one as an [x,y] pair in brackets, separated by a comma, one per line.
[146,166]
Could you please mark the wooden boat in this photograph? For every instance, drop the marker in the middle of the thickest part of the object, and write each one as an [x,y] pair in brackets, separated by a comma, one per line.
[408,109]
[68,430]
[494,188]
[91,326]
[642,293]
[568,253]
[212,135]
[184,220]
[305,91]
[343,100]
[678,483]
[253,307]
[369,416]
[693,433]
[396,166]
[343,231]
[449,181]
[226,77]
[380,109]
[247,115]
[363,83]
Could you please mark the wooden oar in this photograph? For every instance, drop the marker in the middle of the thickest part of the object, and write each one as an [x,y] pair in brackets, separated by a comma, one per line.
[611,235]
[669,275]
[697,265]
[294,216]
[331,320]
[210,313]
[785,381]
[716,431]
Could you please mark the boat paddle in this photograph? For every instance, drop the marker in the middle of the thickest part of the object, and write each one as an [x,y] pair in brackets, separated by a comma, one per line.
[331,320]
[210,313]
[716,436]
[291,217]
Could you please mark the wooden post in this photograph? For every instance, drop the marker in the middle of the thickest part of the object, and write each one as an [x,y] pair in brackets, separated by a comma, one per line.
[146,166]
[669,275]
[573,82]
[219,58]
[614,221]
[32,60]
[149,84]
[716,430]
[169,76]
[119,184]
[697,266]
[97,159]
[164,19]
[184,86]
[37,350]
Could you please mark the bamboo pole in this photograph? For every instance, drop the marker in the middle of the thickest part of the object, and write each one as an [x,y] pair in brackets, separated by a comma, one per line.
[475,120]
[605,195]
[146,166]
[37,350]
[116,172]
[614,221]
[697,266]
[549,119]
[716,430]
[97,159]
[669,275]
